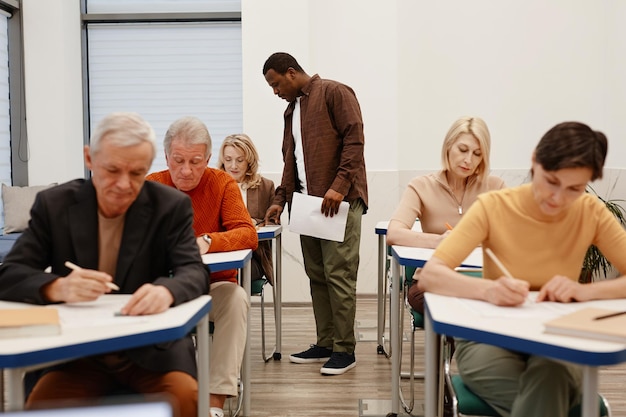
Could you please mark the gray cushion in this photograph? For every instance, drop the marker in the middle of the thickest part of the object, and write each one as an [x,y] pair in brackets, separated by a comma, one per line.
[17,202]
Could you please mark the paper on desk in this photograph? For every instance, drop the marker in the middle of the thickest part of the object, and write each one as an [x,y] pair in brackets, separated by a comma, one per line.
[530,308]
[88,314]
[307,219]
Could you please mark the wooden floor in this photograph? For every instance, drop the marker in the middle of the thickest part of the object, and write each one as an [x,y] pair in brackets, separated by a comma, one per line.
[281,388]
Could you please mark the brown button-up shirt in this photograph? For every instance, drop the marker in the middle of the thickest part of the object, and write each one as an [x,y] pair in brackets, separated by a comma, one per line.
[332,141]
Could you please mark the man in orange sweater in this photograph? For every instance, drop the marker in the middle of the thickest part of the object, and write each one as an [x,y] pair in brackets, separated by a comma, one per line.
[221,223]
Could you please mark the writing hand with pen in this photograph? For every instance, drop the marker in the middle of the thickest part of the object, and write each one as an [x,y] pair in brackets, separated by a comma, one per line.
[506,290]
[79,285]
[559,288]
[83,284]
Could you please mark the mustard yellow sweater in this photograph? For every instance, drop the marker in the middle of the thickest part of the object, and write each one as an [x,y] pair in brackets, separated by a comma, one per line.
[532,246]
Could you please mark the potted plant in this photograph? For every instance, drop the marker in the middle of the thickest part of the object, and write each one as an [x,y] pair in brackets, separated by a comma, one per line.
[595,263]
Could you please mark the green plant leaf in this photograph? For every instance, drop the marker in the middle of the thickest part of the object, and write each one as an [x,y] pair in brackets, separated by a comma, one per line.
[595,262]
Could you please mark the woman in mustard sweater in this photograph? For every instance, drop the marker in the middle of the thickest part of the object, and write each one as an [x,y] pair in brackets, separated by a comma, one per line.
[540,232]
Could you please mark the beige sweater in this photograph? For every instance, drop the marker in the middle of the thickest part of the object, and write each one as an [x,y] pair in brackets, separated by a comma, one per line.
[430,199]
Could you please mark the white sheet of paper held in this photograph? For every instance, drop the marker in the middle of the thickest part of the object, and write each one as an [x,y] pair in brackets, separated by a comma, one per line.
[307,218]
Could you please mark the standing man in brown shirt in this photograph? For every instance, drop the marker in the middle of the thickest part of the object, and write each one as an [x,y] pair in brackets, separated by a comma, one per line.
[323,156]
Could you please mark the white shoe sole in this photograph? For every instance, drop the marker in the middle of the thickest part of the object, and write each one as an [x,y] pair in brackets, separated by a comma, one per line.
[337,371]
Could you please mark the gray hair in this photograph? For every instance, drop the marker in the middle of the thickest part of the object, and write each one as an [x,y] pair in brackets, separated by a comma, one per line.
[122,129]
[191,131]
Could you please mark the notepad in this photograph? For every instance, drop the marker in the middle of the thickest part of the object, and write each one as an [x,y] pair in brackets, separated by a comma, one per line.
[582,323]
[29,322]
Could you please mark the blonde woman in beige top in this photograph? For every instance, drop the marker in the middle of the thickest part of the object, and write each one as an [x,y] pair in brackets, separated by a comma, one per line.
[440,200]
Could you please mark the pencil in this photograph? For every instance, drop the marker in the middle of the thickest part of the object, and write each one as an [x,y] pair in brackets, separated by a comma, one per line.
[448,226]
[75,267]
[606,316]
[497,261]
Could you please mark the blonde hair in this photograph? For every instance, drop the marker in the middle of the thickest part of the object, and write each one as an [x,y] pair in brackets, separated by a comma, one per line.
[241,141]
[476,127]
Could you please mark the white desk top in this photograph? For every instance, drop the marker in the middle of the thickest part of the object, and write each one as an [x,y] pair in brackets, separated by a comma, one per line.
[90,328]
[381,227]
[269,232]
[521,328]
[410,256]
[221,261]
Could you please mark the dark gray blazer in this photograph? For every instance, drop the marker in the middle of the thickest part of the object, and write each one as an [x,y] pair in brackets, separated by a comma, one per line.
[158,246]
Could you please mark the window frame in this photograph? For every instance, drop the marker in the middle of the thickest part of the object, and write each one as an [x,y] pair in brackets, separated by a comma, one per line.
[17,106]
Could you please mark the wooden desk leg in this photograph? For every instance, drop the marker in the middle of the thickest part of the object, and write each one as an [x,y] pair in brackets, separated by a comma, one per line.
[202,337]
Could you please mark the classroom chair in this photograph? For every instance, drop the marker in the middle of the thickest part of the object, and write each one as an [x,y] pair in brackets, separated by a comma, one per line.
[417,324]
[257,289]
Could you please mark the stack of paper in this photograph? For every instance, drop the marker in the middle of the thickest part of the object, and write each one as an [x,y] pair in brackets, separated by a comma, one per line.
[587,323]
[24,322]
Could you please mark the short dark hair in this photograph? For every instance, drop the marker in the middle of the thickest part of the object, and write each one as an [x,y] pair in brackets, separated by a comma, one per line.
[572,145]
[281,62]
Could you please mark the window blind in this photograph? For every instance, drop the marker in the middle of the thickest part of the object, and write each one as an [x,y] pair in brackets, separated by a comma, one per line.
[165,71]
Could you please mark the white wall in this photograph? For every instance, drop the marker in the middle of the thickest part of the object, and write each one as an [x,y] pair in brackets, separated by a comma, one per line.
[415,66]
[52,66]
[522,66]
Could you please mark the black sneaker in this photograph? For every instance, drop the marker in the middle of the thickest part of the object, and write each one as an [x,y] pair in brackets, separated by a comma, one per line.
[313,354]
[339,363]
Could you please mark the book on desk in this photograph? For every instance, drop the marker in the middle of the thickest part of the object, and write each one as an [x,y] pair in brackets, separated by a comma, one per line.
[29,322]
[592,323]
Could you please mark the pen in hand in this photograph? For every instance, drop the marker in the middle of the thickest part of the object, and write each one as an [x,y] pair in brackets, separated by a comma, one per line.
[500,265]
[75,267]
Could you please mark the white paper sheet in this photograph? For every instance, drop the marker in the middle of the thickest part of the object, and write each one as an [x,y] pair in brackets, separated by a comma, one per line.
[530,308]
[89,314]
[307,219]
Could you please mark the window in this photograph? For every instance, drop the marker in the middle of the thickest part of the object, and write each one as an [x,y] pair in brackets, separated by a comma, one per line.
[165,66]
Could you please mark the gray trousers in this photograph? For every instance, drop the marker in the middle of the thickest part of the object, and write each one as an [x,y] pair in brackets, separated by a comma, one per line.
[516,384]
[332,270]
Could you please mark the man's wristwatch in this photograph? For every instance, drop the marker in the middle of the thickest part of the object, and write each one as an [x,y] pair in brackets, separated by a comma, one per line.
[207,239]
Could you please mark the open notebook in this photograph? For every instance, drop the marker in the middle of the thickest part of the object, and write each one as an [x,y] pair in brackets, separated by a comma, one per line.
[137,407]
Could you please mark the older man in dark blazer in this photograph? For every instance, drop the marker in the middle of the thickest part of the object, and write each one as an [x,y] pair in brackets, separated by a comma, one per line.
[117,228]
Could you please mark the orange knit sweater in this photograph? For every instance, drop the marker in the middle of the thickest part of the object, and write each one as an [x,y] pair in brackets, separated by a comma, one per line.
[219,211]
